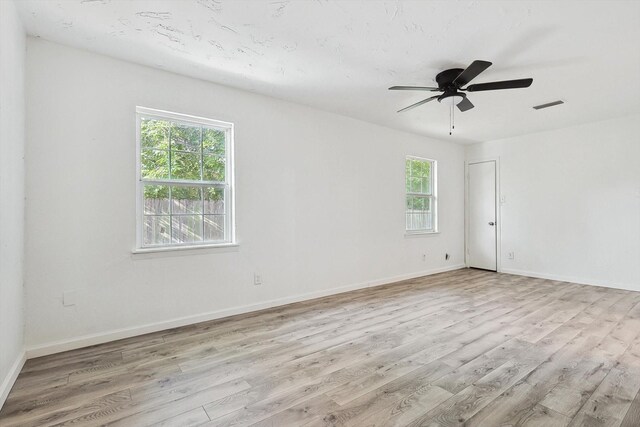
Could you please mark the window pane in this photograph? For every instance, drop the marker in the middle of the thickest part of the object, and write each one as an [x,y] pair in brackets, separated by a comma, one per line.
[418,176]
[185,138]
[156,199]
[416,168]
[185,166]
[213,168]
[155,164]
[214,227]
[418,203]
[213,141]
[213,200]
[186,228]
[154,134]
[156,230]
[186,200]
[415,185]
[419,221]
[426,186]
[427,169]
[419,215]
[414,203]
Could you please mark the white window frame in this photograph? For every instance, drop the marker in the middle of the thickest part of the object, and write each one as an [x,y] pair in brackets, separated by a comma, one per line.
[228,184]
[433,196]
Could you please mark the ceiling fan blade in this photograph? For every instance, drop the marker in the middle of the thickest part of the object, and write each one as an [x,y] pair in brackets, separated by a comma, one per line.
[471,72]
[417,104]
[465,105]
[507,84]
[430,89]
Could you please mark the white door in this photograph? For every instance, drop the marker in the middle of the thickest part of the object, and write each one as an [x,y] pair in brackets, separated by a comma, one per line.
[482,235]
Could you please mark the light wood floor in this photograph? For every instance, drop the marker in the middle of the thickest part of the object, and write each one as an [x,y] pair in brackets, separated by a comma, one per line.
[465,347]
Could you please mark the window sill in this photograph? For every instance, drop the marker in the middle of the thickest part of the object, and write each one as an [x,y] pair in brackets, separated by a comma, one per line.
[185,250]
[410,234]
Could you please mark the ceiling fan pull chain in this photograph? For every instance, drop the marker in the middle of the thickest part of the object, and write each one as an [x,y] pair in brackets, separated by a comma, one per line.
[453,114]
[452,117]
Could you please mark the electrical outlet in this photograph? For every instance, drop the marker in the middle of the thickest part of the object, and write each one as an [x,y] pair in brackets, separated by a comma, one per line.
[257,279]
[511,255]
[69,298]
[424,257]
[446,257]
[503,200]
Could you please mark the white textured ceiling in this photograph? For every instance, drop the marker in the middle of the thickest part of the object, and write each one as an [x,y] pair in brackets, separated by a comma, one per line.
[341,56]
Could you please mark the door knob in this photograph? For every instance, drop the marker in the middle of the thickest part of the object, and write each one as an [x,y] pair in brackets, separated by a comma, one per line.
[492,223]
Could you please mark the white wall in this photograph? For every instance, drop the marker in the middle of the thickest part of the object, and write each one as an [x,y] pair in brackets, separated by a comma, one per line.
[12,59]
[572,202]
[319,202]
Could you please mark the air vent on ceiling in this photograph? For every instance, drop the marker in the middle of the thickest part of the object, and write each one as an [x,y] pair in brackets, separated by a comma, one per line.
[547,105]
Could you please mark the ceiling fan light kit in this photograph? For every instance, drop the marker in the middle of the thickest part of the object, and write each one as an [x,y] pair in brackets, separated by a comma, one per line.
[455,98]
[451,82]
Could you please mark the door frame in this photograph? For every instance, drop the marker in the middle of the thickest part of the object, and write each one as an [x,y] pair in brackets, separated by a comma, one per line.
[498,214]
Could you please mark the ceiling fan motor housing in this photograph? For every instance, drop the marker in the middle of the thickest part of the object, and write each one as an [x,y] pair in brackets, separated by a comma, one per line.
[445,79]
[445,83]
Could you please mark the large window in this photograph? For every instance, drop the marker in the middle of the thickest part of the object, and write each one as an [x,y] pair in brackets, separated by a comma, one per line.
[184,181]
[421,200]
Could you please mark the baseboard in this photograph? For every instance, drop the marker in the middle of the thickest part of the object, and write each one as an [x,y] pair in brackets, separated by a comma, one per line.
[571,279]
[100,338]
[12,375]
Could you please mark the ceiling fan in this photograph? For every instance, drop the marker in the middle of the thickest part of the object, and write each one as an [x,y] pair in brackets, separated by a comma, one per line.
[451,83]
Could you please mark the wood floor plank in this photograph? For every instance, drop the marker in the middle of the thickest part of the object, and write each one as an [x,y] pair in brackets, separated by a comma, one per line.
[464,347]
[632,417]
[613,398]
[194,417]
[580,361]
[158,408]
[407,409]
[41,402]
[463,405]
[72,410]
[355,411]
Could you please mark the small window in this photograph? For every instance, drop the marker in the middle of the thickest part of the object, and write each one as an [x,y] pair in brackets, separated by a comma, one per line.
[421,200]
[185,180]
